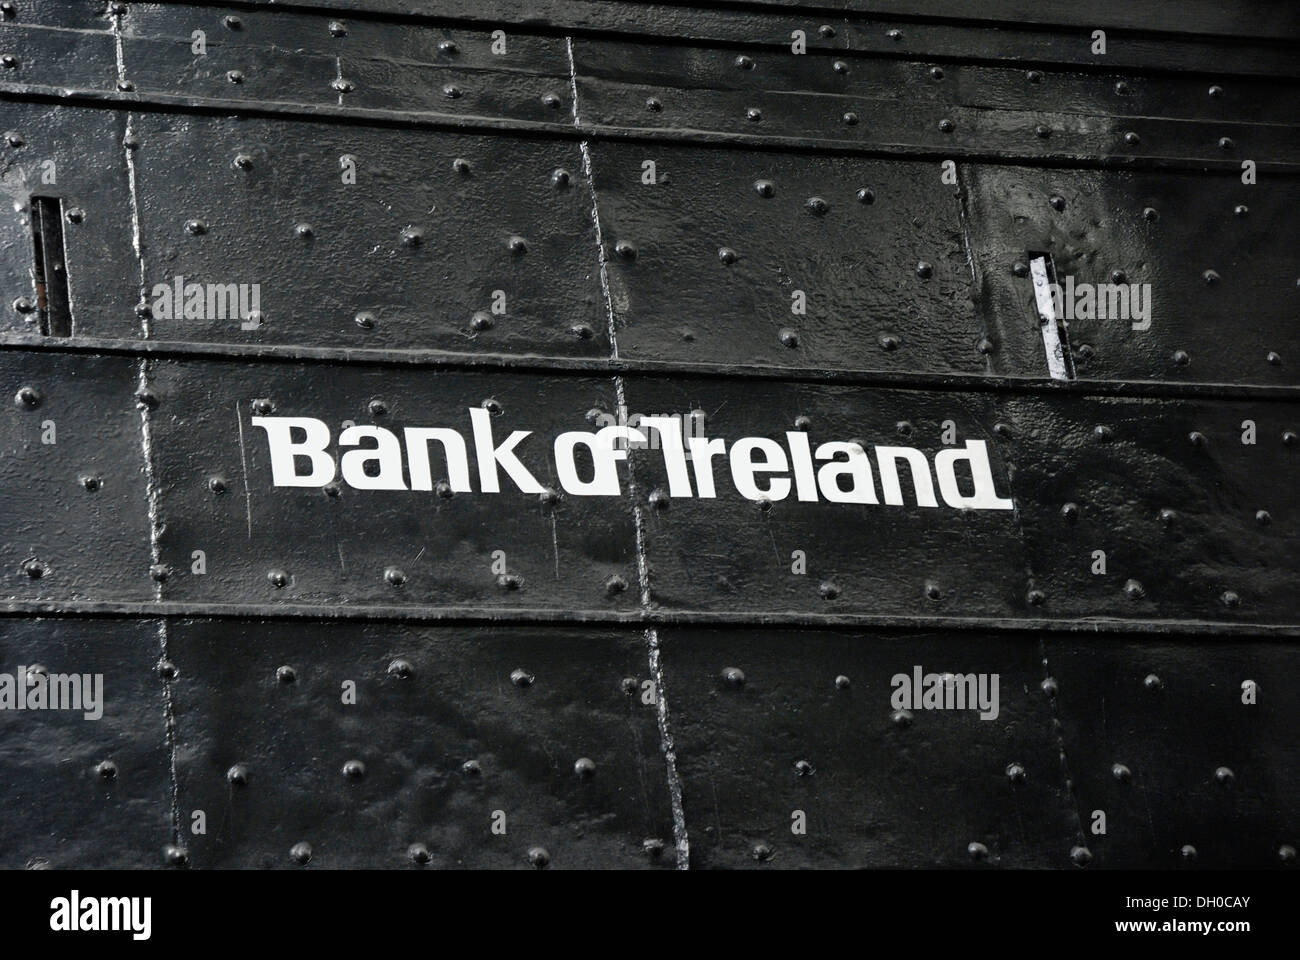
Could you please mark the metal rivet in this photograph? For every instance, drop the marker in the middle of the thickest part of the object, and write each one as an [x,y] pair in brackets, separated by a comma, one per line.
[1150,214]
[901,718]
[1102,432]
[803,768]
[1121,773]
[584,767]
[146,400]
[394,576]
[196,227]
[471,768]
[933,592]
[1034,76]
[1216,91]
[946,125]
[365,320]
[850,118]
[977,851]
[235,76]
[828,590]
[985,346]
[614,584]
[1036,597]
[1289,437]
[765,188]
[521,677]
[286,674]
[443,489]
[412,236]
[842,682]
[628,685]
[625,250]
[341,85]
[936,73]
[278,578]
[888,341]
[461,166]
[401,669]
[1274,358]
[1211,277]
[1196,438]
[337,29]
[1015,773]
[1224,775]
[726,255]
[1263,517]
[803,423]
[894,34]
[176,856]
[866,196]
[903,428]
[167,670]
[761,852]
[839,66]
[263,406]
[538,857]
[560,178]
[106,769]
[14,138]
[1152,682]
[1225,143]
[354,769]
[451,91]
[924,270]
[1070,511]
[1241,210]
[789,337]
[654,104]
[653,847]
[745,62]
[418,853]
[160,572]
[9,60]
[1132,139]
[377,408]
[1049,686]
[753,114]
[482,320]
[1182,358]
[304,231]
[1081,856]
[238,775]
[1057,202]
[1121,88]
[551,101]
[658,499]
[509,581]
[300,853]
[817,205]
[826,30]
[1230,598]
[1042,132]
[447,46]
[28,397]
[1168,516]
[1286,853]
[733,676]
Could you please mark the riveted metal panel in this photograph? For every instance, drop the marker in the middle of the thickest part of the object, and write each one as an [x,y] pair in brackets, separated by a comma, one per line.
[448,737]
[1218,259]
[707,263]
[85,793]
[734,554]
[808,725]
[1158,736]
[337,545]
[406,256]
[57,57]
[76,157]
[73,511]
[1171,494]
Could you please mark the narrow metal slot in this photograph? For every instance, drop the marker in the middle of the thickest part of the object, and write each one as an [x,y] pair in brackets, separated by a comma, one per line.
[1056,339]
[53,302]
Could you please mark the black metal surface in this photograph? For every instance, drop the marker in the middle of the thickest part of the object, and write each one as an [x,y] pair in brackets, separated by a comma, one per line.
[613,210]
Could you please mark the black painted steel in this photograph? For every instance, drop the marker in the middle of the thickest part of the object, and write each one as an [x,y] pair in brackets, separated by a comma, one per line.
[802,223]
